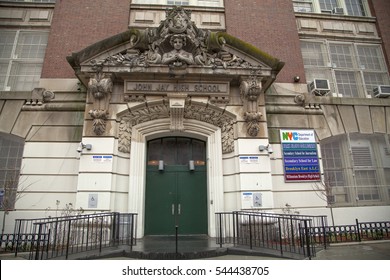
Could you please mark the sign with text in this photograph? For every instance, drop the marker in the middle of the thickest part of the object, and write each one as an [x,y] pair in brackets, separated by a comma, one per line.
[300,156]
[194,88]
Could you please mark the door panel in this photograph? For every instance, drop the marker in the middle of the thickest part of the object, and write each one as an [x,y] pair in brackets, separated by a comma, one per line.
[161,195]
[193,202]
[176,196]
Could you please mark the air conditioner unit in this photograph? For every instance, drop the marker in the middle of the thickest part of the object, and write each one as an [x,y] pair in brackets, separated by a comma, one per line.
[319,87]
[338,11]
[382,91]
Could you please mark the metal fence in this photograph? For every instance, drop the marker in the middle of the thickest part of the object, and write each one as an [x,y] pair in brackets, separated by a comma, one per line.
[59,237]
[279,232]
[360,231]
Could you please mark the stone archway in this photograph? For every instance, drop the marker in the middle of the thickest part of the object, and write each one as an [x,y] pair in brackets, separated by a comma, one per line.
[136,129]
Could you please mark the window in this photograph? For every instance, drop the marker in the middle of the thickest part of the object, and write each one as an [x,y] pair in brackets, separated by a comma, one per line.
[328,5]
[355,7]
[11,151]
[34,1]
[21,59]
[305,6]
[208,3]
[356,168]
[339,7]
[353,70]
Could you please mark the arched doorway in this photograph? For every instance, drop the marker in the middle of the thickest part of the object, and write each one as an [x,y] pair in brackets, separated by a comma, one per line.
[176,186]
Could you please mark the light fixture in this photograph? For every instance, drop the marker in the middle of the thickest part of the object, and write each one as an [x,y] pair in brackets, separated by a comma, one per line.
[191,165]
[161,165]
[297,79]
[83,146]
[268,148]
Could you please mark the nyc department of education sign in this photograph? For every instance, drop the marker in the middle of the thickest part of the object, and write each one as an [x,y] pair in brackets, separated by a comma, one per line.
[300,156]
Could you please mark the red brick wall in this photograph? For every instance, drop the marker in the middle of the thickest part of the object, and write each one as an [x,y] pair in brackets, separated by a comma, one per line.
[78,24]
[269,25]
[381,10]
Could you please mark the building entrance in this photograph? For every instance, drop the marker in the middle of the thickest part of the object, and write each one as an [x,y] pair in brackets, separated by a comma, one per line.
[176,187]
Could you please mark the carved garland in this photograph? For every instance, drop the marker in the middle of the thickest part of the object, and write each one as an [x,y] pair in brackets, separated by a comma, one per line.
[194,112]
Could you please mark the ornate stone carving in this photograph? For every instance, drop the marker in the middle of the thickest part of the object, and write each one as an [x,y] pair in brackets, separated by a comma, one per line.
[194,46]
[198,112]
[250,90]
[99,120]
[40,96]
[100,89]
[176,106]
[252,120]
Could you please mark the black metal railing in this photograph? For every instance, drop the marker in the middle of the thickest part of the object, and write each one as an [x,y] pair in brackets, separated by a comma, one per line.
[61,236]
[360,231]
[279,232]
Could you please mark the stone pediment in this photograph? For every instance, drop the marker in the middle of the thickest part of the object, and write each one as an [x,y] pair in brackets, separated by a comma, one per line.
[172,60]
[176,46]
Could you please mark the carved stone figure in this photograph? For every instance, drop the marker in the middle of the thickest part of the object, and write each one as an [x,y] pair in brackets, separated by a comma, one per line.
[178,56]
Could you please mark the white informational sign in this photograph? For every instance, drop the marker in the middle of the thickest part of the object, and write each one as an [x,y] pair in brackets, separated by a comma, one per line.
[102,159]
[251,200]
[249,159]
[92,200]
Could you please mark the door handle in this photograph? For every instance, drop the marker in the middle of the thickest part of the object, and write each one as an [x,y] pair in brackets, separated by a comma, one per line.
[179,209]
[173,209]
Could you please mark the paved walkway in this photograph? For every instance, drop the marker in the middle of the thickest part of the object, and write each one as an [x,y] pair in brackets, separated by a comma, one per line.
[373,250]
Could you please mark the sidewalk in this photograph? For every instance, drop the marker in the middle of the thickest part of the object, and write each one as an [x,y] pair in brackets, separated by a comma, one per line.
[368,250]
[373,250]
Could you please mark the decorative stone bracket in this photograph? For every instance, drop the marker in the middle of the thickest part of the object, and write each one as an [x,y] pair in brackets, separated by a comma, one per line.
[100,89]
[176,106]
[250,90]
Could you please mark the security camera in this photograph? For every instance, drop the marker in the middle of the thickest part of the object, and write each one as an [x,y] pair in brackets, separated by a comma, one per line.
[80,147]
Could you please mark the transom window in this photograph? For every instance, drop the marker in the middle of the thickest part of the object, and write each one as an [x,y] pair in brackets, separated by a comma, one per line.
[352,69]
[21,59]
[356,168]
[176,151]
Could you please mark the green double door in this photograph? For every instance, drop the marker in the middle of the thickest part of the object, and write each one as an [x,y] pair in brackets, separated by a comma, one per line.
[176,195]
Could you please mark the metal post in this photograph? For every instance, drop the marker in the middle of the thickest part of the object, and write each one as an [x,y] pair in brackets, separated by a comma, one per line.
[101,235]
[358,230]
[220,230]
[38,242]
[176,239]
[307,240]
[323,230]
[131,232]
[68,240]
[280,237]
[17,239]
[250,232]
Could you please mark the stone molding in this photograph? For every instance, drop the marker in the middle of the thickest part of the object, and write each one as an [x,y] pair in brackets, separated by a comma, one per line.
[192,110]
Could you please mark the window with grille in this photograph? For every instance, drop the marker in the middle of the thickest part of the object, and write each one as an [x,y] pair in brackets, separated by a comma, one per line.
[355,7]
[353,70]
[305,6]
[356,168]
[11,152]
[328,5]
[344,7]
[21,59]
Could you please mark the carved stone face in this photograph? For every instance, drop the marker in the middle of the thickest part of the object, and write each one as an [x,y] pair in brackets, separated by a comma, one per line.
[177,44]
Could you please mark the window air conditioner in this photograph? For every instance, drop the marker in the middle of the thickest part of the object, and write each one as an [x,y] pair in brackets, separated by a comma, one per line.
[319,87]
[382,91]
[338,11]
